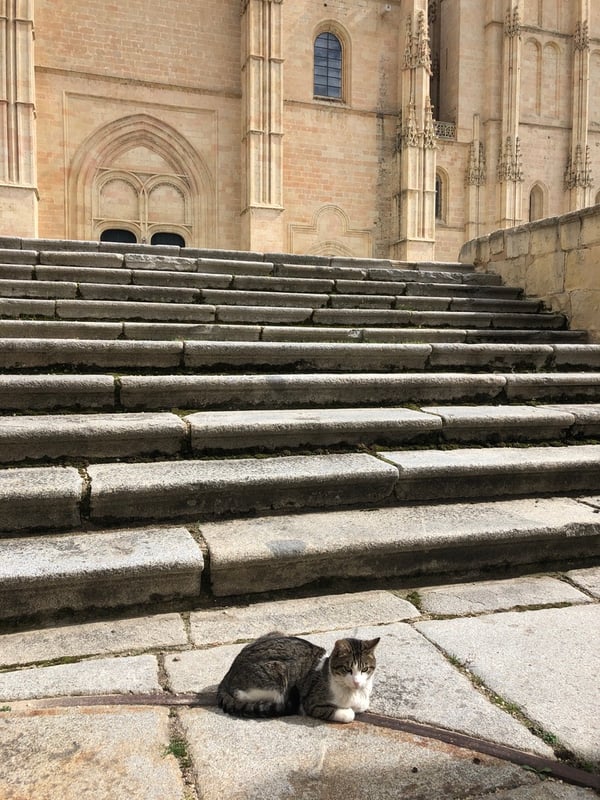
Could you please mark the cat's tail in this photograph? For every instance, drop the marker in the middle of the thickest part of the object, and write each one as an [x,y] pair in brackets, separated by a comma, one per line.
[256,703]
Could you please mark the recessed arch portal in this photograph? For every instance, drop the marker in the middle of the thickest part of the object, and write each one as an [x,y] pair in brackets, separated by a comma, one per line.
[138,173]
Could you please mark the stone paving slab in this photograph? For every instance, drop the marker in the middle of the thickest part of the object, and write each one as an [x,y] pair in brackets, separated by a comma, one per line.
[90,436]
[317,761]
[14,307]
[104,569]
[299,616]
[86,259]
[170,490]
[83,274]
[413,681]
[490,355]
[196,280]
[73,754]
[495,472]
[266,553]
[499,595]
[588,579]
[44,497]
[47,392]
[112,637]
[587,417]
[145,294]
[126,675]
[314,427]
[546,661]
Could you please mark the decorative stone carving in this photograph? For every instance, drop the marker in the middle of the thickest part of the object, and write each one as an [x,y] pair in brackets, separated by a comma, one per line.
[510,166]
[476,171]
[429,135]
[512,23]
[579,169]
[417,52]
[581,37]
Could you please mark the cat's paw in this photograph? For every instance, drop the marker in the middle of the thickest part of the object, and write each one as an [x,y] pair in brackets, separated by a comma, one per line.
[343,715]
[360,705]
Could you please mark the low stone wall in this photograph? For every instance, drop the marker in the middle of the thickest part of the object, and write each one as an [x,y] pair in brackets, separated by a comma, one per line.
[556,259]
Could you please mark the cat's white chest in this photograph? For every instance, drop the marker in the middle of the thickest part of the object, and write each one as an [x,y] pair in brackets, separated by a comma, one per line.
[356,698]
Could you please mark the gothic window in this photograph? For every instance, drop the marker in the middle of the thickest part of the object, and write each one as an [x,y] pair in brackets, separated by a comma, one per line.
[441,197]
[328,66]
[536,203]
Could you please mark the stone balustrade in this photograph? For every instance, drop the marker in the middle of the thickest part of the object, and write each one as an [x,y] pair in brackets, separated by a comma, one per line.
[556,259]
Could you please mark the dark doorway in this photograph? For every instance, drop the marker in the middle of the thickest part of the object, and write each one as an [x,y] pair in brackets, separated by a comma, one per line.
[168,238]
[118,235]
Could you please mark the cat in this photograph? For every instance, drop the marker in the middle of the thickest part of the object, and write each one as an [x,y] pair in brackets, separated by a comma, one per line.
[277,675]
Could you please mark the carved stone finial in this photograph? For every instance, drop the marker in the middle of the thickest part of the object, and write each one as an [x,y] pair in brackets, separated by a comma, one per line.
[581,36]
[510,161]
[476,171]
[578,173]
[512,23]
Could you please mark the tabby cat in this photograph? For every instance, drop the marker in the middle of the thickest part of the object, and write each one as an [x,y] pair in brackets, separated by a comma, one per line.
[278,674]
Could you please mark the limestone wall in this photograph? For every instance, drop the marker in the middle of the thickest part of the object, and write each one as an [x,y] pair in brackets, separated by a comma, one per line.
[557,259]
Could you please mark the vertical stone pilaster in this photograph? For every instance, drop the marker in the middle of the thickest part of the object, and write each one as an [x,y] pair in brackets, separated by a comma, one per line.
[18,174]
[509,168]
[415,156]
[578,173]
[474,181]
[262,120]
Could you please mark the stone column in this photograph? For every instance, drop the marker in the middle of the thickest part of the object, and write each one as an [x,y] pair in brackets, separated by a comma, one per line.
[415,198]
[578,173]
[262,123]
[18,174]
[509,168]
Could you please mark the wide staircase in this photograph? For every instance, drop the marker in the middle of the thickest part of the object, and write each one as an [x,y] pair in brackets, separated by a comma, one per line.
[181,425]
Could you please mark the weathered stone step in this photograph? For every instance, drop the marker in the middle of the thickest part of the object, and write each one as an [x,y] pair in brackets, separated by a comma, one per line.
[228,280]
[101,570]
[264,554]
[85,436]
[217,306]
[124,493]
[133,435]
[164,331]
[24,393]
[24,353]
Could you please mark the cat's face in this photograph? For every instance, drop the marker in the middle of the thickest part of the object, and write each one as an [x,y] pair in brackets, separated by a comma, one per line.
[352,662]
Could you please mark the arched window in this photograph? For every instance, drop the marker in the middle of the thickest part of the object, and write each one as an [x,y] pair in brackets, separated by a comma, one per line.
[328,66]
[118,235]
[441,197]
[536,203]
[168,238]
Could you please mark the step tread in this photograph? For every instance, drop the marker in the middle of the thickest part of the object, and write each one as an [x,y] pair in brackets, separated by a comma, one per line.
[47,574]
[272,553]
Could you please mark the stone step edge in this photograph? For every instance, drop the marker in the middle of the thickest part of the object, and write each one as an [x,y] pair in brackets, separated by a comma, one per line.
[137,435]
[100,570]
[21,354]
[123,493]
[225,332]
[132,393]
[283,553]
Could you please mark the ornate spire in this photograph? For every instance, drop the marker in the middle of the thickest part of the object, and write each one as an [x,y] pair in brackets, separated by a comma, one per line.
[510,161]
[476,171]
[581,36]
[417,52]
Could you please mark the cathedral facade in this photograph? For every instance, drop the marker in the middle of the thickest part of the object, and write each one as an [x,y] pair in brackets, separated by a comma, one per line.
[348,127]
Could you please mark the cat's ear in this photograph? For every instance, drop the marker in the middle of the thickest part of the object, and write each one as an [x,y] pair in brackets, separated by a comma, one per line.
[342,647]
[371,644]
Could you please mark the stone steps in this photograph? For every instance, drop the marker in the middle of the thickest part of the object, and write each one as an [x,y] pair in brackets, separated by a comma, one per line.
[81,437]
[155,400]
[34,499]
